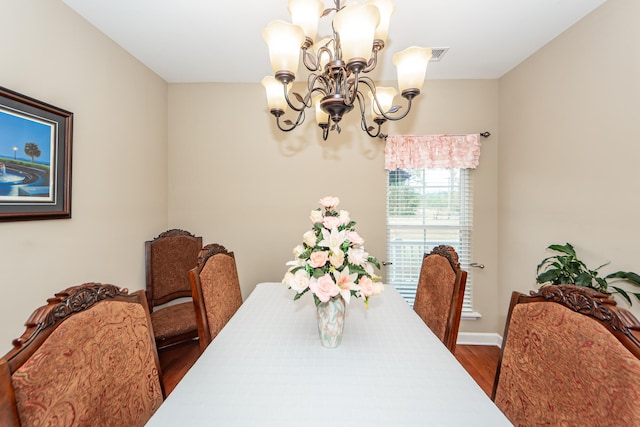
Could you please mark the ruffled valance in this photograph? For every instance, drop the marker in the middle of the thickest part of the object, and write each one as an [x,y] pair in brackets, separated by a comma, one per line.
[432,151]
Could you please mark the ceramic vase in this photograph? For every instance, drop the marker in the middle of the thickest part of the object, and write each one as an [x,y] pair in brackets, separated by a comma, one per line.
[331,321]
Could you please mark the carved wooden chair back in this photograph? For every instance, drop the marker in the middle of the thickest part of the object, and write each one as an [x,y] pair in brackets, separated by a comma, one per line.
[87,358]
[440,293]
[216,291]
[569,357]
[169,257]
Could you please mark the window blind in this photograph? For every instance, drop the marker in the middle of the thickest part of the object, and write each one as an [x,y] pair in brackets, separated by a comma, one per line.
[427,208]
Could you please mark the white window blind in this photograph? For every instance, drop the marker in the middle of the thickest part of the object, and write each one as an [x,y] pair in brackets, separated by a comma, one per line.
[427,208]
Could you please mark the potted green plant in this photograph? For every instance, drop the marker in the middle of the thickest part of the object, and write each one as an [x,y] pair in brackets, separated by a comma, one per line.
[565,267]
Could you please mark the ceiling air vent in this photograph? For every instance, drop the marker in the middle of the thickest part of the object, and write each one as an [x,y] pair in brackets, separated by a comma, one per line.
[437,53]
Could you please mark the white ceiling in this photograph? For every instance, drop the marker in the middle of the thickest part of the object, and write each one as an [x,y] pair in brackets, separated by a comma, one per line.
[220,41]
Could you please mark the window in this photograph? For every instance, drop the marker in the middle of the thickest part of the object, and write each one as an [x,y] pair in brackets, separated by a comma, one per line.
[427,208]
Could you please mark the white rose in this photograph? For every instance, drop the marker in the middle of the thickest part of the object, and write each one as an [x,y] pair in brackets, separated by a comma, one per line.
[298,250]
[309,238]
[357,256]
[316,216]
[344,217]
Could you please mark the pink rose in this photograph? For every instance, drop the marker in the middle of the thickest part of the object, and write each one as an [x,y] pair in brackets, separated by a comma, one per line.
[329,202]
[318,259]
[355,238]
[367,288]
[331,222]
[324,288]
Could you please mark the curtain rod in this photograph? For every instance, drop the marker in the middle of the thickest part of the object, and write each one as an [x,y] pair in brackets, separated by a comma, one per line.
[485,134]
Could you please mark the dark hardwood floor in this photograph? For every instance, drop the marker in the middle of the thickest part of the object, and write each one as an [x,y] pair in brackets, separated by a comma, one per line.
[480,361]
[175,361]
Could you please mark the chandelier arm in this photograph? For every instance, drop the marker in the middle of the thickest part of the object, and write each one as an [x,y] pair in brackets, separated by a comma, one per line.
[311,62]
[363,119]
[372,86]
[402,116]
[378,45]
[306,100]
[351,89]
[298,122]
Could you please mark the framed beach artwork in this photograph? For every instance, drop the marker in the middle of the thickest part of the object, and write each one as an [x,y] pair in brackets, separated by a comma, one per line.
[35,159]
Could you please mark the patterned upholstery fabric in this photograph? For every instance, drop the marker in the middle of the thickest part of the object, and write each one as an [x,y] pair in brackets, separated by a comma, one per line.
[172,320]
[562,368]
[434,294]
[96,369]
[171,260]
[220,291]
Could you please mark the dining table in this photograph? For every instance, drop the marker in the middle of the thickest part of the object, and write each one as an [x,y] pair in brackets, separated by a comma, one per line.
[267,367]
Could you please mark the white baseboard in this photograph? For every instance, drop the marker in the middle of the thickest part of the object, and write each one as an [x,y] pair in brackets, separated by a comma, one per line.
[479,338]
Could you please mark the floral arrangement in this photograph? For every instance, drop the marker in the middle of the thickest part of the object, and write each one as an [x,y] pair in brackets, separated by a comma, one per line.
[331,260]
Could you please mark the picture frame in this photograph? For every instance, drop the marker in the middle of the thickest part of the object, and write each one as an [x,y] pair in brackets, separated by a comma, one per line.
[35,159]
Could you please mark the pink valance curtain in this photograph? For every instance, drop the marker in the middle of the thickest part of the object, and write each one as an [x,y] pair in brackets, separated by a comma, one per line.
[432,151]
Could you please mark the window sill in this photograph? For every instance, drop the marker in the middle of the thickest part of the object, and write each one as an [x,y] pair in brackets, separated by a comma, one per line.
[471,315]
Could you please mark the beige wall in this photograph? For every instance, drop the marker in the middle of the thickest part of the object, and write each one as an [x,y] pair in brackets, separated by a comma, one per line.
[238,181]
[119,159]
[207,157]
[569,149]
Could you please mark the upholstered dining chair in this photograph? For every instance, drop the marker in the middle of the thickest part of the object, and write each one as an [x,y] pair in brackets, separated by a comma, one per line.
[168,259]
[440,293]
[569,357]
[87,358]
[216,291]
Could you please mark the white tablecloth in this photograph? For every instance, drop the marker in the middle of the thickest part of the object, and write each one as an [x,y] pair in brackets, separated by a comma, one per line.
[267,367]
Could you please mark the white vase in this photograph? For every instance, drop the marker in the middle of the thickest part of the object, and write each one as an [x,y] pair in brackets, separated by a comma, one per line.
[331,321]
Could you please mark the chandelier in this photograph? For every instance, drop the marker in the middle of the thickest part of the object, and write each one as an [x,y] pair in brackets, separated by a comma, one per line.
[338,66]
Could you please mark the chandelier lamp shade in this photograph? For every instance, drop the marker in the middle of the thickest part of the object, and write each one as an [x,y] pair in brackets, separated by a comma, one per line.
[337,66]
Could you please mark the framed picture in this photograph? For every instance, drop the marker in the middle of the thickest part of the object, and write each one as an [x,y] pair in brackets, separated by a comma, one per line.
[35,159]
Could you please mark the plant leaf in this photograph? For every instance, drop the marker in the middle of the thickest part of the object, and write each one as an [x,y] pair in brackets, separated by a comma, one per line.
[625,275]
[566,249]
[584,279]
[624,294]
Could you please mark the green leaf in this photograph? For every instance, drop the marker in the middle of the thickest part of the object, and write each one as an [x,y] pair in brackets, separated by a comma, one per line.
[293,270]
[547,276]
[374,261]
[318,272]
[356,269]
[584,279]
[623,293]
[566,249]
[625,275]
[603,285]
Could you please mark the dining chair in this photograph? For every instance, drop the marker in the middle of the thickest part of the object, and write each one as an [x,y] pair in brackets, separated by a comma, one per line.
[569,357]
[87,358]
[440,293]
[216,291]
[168,259]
